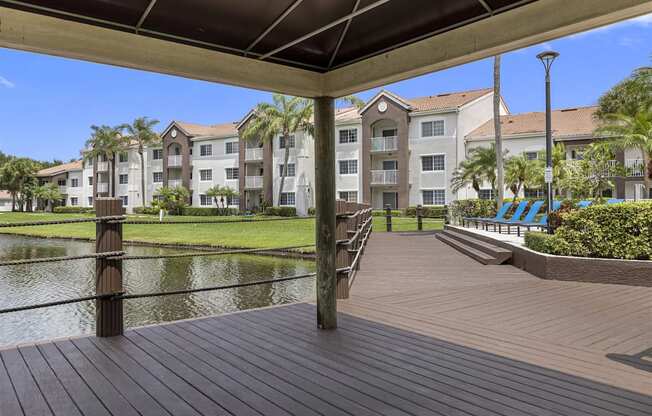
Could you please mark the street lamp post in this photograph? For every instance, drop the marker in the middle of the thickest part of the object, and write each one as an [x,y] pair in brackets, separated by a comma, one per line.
[547,58]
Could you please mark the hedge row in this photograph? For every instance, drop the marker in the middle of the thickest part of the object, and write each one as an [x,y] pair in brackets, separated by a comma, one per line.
[73,210]
[281,211]
[621,231]
[210,212]
[465,208]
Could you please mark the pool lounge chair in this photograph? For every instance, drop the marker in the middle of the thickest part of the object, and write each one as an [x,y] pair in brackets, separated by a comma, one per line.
[518,213]
[542,223]
[584,204]
[499,215]
[529,217]
[615,201]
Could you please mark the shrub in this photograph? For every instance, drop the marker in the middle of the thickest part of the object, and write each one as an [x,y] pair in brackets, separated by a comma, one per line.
[73,210]
[382,213]
[281,211]
[209,212]
[622,231]
[470,208]
[438,211]
[146,210]
[312,212]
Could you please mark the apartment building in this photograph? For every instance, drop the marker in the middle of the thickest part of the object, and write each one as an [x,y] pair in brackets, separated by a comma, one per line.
[574,127]
[69,178]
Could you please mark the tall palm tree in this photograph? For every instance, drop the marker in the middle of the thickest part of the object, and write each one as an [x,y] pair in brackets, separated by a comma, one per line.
[480,166]
[284,117]
[140,133]
[519,172]
[500,174]
[106,141]
[632,132]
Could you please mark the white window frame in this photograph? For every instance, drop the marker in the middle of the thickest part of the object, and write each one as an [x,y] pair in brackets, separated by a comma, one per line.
[433,131]
[348,163]
[125,159]
[90,181]
[203,198]
[74,182]
[123,175]
[423,202]
[158,152]
[233,201]
[348,136]
[348,195]
[204,171]
[491,193]
[287,196]
[90,201]
[154,176]
[292,140]
[62,182]
[529,152]
[433,163]
[292,170]
[206,150]
[125,200]
[74,201]
[232,170]
[234,148]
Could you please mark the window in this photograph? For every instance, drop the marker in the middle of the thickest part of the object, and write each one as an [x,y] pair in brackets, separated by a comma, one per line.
[74,201]
[232,173]
[348,136]
[90,201]
[434,197]
[349,196]
[232,200]
[90,180]
[61,182]
[89,163]
[348,167]
[157,154]
[74,182]
[486,194]
[124,179]
[531,155]
[231,147]
[390,132]
[123,157]
[205,174]
[125,200]
[608,193]
[205,200]
[281,142]
[433,163]
[206,150]
[291,170]
[533,193]
[157,177]
[432,128]
[390,164]
[287,198]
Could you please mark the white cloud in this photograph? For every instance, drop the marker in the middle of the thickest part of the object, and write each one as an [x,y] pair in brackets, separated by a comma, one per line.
[6,83]
[645,21]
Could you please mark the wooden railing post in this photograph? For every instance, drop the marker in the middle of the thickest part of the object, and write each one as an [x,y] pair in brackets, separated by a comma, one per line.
[388,217]
[419,218]
[342,256]
[109,320]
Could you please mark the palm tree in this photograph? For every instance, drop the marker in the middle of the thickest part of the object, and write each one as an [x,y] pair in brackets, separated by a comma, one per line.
[632,132]
[283,118]
[500,175]
[480,166]
[105,141]
[519,172]
[49,193]
[214,192]
[141,134]
[466,174]
[15,176]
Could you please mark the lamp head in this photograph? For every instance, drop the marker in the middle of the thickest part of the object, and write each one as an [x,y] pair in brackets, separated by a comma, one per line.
[547,58]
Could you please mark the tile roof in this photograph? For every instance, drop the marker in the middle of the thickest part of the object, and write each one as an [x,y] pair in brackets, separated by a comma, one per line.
[56,170]
[447,100]
[346,114]
[217,130]
[568,122]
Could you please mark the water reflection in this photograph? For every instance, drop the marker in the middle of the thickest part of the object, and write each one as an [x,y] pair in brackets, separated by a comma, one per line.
[28,284]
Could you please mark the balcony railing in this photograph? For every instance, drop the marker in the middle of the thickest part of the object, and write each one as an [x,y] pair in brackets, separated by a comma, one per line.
[175,183]
[384,144]
[174,161]
[102,166]
[635,167]
[254,153]
[102,187]
[384,177]
[253,182]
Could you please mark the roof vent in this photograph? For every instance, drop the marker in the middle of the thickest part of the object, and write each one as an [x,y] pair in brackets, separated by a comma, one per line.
[443,95]
[568,109]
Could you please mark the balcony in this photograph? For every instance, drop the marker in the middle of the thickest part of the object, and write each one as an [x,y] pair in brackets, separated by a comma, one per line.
[384,144]
[253,182]
[102,166]
[175,183]
[174,161]
[384,177]
[102,187]
[635,168]
[63,189]
[254,154]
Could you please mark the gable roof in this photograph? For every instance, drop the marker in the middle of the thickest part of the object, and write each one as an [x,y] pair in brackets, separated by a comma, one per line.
[211,130]
[439,102]
[569,122]
[345,114]
[56,170]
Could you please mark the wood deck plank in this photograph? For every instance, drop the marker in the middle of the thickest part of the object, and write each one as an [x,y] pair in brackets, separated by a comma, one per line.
[9,404]
[31,400]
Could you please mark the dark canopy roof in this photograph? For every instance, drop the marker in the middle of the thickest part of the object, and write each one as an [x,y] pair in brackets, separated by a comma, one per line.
[318,35]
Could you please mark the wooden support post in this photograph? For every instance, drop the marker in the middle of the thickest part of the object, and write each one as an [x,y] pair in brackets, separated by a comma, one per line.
[388,218]
[342,261]
[325,212]
[108,272]
[419,218]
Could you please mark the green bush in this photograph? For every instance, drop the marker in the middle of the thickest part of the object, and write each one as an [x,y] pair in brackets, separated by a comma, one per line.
[438,211]
[311,212]
[463,208]
[382,213]
[281,211]
[146,210]
[622,231]
[73,210]
[209,212]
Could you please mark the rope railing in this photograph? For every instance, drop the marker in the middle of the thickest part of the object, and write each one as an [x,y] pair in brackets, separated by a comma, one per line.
[213,253]
[107,254]
[107,218]
[57,303]
[150,222]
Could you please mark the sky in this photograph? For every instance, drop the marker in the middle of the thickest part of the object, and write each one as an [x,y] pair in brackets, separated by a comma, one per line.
[47,104]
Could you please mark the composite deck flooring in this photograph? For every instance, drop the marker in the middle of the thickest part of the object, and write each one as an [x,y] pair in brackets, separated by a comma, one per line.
[426,331]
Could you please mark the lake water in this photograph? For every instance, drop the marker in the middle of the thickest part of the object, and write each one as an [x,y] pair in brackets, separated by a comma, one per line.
[38,283]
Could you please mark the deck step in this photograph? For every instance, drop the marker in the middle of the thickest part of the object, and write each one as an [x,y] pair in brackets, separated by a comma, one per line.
[501,254]
[474,253]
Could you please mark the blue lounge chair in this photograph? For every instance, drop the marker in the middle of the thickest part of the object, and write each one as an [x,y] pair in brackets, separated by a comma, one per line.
[615,201]
[542,223]
[499,215]
[584,204]
[518,213]
[529,217]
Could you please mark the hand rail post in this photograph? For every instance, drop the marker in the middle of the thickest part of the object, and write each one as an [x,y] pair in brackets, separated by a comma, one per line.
[419,218]
[109,319]
[388,218]
[342,254]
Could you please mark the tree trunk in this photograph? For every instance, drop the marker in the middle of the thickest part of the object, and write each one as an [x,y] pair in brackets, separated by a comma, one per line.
[500,176]
[285,167]
[142,175]
[646,174]
[112,177]
[13,201]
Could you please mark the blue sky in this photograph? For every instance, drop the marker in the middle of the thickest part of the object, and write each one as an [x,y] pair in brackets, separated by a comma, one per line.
[47,103]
